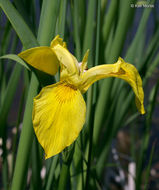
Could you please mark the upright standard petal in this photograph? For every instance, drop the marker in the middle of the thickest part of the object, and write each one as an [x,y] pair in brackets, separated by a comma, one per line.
[57,40]
[68,62]
[121,70]
[58,117]
[41,58]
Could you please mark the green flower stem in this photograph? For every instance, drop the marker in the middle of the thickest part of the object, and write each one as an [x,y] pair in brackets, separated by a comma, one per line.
[108,20]
[92,102]
[64,176]
[15,138]
[76,29]
[82,18]
[91,123]
[103,7]
[51,172]
[89,30]
[36,162]
[148,169]
[48,20]
[26,140]
[62,18]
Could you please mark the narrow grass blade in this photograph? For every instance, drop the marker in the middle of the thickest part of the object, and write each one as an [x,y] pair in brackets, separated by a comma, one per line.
[108,20]
[149,168]
[89,30]
[62,18]
[22,30]
[9,95]
[36,165]
[76,29]
[48,15]
[51,174]
[15,58]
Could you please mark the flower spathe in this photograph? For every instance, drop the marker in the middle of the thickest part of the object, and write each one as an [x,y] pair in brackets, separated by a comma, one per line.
[59,109]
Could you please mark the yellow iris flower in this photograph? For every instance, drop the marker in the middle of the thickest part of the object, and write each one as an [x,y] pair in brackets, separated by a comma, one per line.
[59,109]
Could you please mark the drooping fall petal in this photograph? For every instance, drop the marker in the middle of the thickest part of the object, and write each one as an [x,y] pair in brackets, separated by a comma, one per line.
[58,117]
[122,70]
[41,58]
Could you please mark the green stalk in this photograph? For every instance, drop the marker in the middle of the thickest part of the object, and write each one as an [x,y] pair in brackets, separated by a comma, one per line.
[108,20]
[28,40]
[48,20]
[62,18]
[90,148]
[76,30]
[89,30]
[148,169]
[103,7]
[51,172]
[36,163]
[92,103]
[64,176]
[15,138]
[82,19]
[26,139]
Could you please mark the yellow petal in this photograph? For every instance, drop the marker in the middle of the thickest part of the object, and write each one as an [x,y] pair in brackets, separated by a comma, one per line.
[41,58]
[57,40]
[58,117]
[122,70]
[68,61]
